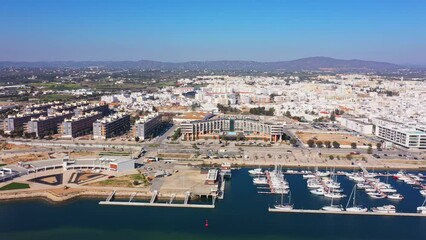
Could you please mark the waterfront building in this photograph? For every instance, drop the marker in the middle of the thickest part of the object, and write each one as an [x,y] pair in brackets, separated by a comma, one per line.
[46,125]
[232,128]
[146,126]
[110,126]
[79,125]
[16,122]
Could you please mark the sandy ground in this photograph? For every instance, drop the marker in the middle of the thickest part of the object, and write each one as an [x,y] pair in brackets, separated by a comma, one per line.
[343,139]
[9,146]
[15,158]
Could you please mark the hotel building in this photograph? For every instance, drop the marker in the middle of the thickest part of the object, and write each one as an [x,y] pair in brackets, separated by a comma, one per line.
[246,128]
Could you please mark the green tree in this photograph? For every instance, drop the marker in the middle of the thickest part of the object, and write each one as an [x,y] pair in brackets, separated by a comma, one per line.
[332,117]
[379,146]
[353,145]
[349,157]
[331,157]
[369,150]
[320,144]
[288,114]
[327,144]
[137,139]
[336,144]
[293,142]
[311,143]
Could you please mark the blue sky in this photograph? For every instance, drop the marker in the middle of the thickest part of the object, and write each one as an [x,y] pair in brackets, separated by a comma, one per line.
[184,30]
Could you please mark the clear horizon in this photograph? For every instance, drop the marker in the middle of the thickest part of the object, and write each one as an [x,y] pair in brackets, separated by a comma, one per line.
[178,31]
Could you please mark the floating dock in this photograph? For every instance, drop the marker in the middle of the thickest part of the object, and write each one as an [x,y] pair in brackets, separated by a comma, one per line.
[144,204]
[152,202]
[398,214]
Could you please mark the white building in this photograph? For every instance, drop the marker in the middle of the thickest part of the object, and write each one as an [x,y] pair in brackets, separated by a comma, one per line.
[359,125]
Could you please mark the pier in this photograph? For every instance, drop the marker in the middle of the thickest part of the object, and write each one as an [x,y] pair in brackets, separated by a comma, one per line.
[398,214]
[142,204]
[152,202]
[111,195]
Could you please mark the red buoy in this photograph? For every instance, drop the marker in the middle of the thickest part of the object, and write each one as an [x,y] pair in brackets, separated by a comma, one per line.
[206,224]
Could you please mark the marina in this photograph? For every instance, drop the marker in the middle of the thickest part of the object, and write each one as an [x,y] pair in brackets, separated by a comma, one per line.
[345,212]
[326,185]
[145,219]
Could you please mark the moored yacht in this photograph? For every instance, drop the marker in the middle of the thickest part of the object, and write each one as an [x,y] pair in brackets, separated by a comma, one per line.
[318,191]
[422,209]
[384,209]
[395,196]
[256,171]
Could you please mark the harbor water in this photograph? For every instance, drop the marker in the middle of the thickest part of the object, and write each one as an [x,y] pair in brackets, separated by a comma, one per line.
[243,214]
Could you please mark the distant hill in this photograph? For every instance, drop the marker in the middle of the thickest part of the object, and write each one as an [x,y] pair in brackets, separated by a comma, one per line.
[303,64]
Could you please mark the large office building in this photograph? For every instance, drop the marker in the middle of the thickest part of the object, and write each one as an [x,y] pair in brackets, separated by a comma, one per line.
[231,128]
[410,137]
[111,126]
[79,125]
[359,125]
[17,122]
[66,107]
[98,107]
[46,125]
[147,126]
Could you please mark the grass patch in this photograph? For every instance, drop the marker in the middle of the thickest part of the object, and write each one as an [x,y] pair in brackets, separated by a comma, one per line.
[114,154]
[133,180]
[56,97]
[153,145]
[58,86]
[14,186]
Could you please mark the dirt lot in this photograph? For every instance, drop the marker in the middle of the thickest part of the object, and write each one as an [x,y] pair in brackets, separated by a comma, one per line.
[186,179]
[8,146]
[25,158]
[343,139]
[91,154]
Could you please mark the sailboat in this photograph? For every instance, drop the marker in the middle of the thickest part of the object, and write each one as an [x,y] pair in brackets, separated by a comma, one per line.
[354,207]
[422,209]
[284,206]
[333,208]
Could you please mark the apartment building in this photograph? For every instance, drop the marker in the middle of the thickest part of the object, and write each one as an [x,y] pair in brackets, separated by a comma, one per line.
[46,125]
[147,126]
[15,122]
[98,107]
[79,125]
[41,107]
[111,126]
[66,107]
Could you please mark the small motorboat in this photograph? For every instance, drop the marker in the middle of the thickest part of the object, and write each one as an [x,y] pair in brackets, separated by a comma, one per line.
[395,196]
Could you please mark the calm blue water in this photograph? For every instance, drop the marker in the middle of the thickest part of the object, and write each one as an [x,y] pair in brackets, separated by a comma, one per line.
[241,215]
